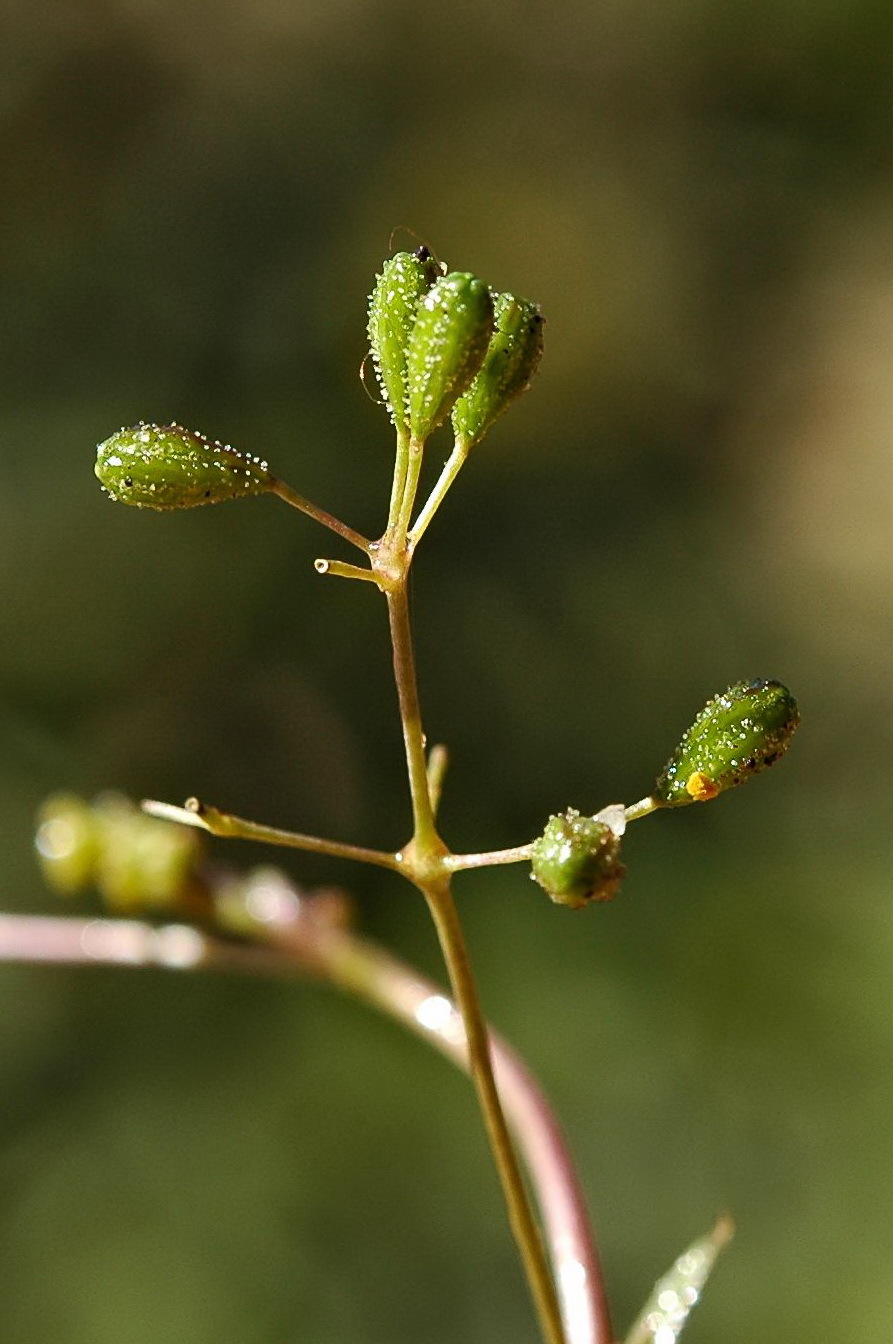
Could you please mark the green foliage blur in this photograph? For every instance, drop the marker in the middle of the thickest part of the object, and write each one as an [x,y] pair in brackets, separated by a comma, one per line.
[697,489]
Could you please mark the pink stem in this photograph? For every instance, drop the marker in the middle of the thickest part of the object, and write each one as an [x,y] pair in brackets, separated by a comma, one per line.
[301,942]
[425,1009]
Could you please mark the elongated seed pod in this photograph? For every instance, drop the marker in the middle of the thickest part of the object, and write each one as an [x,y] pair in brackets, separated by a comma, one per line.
[393,306]
[738,733]
[169,467]
[510,362]
[577,859]
[446,348]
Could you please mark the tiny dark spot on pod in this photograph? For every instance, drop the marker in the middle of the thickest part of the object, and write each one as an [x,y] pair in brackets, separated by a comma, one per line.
[207,494]
[128,481]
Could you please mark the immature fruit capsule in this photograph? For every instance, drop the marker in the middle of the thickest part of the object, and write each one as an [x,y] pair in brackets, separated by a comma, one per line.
[509,364]
[67,843]
[735,735]
[143,863]
[577,859]
[169,467]
[393,306]
[446,348]
[136,862]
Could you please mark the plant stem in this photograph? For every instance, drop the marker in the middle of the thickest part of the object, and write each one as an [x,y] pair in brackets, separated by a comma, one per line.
[328,520]
[364,969]
[524,1228]
[643,808]
[423,860]
[224,824]
[299,941]
[410,486]
[425,835]
[339,570]
[459,862]
[450,471]
[401,462]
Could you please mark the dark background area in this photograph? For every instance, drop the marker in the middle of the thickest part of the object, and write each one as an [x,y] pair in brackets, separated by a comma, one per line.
[194,201]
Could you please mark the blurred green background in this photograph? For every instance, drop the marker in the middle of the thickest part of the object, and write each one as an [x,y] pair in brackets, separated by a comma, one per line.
[194,200]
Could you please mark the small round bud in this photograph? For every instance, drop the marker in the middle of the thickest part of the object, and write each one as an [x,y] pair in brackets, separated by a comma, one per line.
[510,362]
[577,859]
[735,735]
[446,348]
[169,467]
[66,843]
[393,306]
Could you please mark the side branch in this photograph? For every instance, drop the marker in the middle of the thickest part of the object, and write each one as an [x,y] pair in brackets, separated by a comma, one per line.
[224,824]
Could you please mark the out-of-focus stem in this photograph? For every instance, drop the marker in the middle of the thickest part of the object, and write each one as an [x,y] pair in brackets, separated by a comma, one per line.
[301,944]
[438,760]
[373,974]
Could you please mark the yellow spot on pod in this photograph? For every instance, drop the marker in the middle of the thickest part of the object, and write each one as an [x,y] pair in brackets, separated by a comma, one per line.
[701,787]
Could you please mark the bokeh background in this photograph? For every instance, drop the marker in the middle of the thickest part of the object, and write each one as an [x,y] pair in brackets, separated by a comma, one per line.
[194,201]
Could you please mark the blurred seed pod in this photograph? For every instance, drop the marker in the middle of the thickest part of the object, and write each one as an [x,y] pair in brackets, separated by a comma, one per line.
[67,843]
[737,734]
[446,348]
[393,306]
[513,354]
[169,467]
[136,862]
[577,859]
[144,864]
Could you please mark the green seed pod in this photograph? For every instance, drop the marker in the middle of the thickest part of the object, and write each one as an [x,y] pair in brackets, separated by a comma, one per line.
[509,364]
[67,843]
[143,863]
[735,735]
[393,306]
[446,348]
[168,467]
[577,859]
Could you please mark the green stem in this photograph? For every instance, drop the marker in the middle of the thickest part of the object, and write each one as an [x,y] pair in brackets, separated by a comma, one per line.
[328,520]
[224,824]
[339,570]
[401,463]
[523,1224]
[643,808]
[459,862]
[450,471]
[410,486]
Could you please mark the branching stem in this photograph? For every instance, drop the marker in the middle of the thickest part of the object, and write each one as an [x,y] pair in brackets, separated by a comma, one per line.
[424,863]
[290,496]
